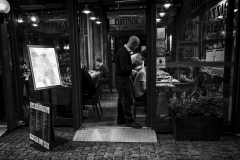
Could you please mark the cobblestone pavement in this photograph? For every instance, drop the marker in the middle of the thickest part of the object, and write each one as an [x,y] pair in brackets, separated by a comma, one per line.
[16,145]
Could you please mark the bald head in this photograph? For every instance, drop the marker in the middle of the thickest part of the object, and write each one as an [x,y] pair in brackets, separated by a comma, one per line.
[133,42]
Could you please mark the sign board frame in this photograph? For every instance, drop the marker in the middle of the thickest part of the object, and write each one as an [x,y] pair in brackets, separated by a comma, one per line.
[44,67]
[188,44]
[41,124]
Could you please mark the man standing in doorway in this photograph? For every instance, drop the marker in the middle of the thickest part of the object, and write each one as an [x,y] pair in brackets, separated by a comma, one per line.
[124,68]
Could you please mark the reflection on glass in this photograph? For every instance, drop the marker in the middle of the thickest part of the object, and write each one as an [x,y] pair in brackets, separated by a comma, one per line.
[51,30]
[197,59]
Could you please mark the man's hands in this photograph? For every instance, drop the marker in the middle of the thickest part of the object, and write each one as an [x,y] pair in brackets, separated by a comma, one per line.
[183,77]
[138,62]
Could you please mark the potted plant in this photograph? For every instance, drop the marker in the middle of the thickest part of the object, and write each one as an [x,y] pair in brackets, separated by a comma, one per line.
[198,117]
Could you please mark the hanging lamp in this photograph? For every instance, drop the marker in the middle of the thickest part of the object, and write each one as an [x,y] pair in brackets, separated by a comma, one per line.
[98,21]
[162,13]
[158,19]
[19,19]
[33,18]
[86,10]
[92,17]
[167,4]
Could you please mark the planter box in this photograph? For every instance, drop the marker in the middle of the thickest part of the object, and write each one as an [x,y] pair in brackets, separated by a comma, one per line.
[196,129]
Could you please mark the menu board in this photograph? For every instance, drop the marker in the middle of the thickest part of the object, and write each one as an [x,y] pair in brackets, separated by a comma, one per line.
[215,55]
[41,124]
[161,62]
[44,66]
[161,47]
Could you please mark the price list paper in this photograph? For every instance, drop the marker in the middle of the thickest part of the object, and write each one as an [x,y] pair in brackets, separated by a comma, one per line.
[40,123]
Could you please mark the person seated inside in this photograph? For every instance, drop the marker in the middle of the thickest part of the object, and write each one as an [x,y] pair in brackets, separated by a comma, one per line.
[25,71]
[140,85]
[141,57]
[102,70]
[88,86]
[198,78]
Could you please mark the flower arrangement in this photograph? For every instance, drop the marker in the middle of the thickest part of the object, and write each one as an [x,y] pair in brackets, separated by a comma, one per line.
[197,105]
[25,70]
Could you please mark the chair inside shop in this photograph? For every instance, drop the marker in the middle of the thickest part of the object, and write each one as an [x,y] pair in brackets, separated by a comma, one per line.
[95,101]
[108,83]
[217,81]
[136,103]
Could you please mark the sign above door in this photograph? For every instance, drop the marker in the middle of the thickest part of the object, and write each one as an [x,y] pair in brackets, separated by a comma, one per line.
[122,21]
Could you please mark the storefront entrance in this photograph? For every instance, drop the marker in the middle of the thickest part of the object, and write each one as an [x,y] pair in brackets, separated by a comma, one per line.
[179,39]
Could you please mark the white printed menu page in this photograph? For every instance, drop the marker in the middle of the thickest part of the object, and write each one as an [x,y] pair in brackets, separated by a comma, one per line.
[45,67]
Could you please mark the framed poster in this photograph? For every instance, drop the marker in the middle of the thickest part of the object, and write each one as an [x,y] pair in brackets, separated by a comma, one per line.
[160,33]
[44,67]
[161,62]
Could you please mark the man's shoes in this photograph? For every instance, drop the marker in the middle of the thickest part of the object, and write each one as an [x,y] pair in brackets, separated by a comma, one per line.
[133,124]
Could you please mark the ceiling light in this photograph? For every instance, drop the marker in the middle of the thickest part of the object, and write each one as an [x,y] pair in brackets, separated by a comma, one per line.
[158,19]
[33,18]
[98,21]
[162,13]
[34,24]
[167,5]
[86,10]
[235,10]
[20,20]
[92,17]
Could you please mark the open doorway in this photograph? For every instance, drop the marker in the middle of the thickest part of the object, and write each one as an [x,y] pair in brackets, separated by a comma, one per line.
[108,100]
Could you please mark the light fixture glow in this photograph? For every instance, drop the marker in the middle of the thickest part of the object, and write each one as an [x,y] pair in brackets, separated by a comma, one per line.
[66,47]
[33,18]
[235,10]
[92,17]
[162,14]
[34,24]
[158,19]
[86,10]
[167,5]
[98,22]
[20,20]
[4,6]
[220,17]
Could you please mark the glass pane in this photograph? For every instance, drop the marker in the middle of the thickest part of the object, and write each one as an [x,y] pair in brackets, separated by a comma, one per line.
[2,102]
[45,25]
[193,55]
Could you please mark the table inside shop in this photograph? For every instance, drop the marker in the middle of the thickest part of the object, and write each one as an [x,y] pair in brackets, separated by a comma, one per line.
[93,73]
[165,88]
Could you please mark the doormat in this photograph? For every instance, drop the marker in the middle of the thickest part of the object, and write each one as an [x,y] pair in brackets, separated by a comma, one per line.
[3,129]
[116,134]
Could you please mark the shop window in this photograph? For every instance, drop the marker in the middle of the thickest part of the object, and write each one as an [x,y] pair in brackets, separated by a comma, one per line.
[45,25]
[194,48]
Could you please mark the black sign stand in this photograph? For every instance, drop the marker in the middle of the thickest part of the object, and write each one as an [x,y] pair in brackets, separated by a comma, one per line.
[41,122]
[41,116]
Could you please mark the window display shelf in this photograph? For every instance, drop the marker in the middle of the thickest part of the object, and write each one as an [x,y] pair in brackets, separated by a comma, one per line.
[213,40]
